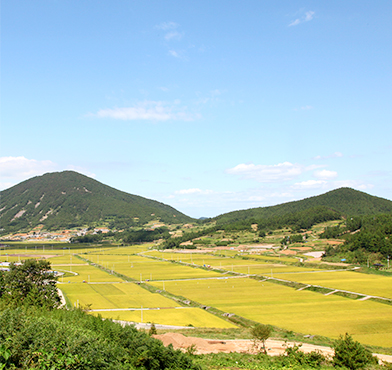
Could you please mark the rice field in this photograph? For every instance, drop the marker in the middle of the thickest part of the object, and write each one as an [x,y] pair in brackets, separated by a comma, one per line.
[115,295]
[301,311]
[238,265]
[367,284]
[85,273]
[142,268]
[193,317]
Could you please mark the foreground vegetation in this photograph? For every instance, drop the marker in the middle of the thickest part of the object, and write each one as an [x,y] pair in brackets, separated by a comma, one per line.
[35,334]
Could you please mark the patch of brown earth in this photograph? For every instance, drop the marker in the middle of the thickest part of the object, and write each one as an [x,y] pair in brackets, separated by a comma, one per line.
[274,347]
[334,242]
[288,252]
[302,248]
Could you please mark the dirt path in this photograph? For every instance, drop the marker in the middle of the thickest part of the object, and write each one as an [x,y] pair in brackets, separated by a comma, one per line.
[274,347]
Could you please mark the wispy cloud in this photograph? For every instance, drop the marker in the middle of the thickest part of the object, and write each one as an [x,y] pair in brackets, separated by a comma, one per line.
[325,174]
[308,16]
[305,107]
[173,35]
[174,54]
[16,169]
[267,173]
[193,191]
[21,167]
[147,111]
[333,155]
[165,26]
[309,184]
[170,31]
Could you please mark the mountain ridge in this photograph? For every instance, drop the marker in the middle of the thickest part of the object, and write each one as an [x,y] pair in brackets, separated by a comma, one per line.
[69,199]
[346,201]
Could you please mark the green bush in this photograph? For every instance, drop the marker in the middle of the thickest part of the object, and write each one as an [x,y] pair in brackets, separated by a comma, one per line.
[60,339]
[351,354]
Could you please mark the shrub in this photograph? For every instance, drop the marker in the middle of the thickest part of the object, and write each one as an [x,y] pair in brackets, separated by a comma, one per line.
[351,354]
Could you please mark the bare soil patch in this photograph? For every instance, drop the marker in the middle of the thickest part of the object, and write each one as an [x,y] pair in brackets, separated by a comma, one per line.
[302,248]
[274,347]
[288,252]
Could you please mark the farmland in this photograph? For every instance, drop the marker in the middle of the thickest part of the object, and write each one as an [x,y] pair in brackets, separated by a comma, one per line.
[111,281]
[301,311]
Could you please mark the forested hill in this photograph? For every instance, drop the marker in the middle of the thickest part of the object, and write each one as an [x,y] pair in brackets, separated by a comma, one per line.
[68,199]
[345,201]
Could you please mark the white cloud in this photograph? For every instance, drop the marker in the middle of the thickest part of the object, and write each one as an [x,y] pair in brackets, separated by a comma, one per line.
[334,155]
[148,111]
[309,16]
[22,168]
[309,184]
[267,173]
[170,29]
[167,26]
[174,53]
[81,170]
[352,184]
[193,191]
[305,18]
[294,23]
[325,174]
[173,35]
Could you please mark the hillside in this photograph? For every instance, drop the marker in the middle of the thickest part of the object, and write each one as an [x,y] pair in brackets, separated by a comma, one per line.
[345,201]
[68,199]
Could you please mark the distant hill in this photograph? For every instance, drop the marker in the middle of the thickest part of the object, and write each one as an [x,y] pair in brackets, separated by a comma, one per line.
[345,201]
[68,199]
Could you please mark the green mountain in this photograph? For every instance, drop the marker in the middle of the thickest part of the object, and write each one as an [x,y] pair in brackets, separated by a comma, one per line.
[345,201]
[68,199]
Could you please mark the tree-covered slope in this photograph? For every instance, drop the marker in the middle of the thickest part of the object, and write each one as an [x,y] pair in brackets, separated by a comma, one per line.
[68,199]
[345,201]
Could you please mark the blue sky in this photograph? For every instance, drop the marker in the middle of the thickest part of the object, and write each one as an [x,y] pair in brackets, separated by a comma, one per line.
[209,106]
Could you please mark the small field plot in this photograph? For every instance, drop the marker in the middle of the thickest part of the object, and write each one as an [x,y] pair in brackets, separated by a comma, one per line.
[86,273]
[131,249]
[195,317]
[300,311]
[277,259]
[15,259]
[66,260]
[142,268]
[240,265]
[377,285]
[113,296]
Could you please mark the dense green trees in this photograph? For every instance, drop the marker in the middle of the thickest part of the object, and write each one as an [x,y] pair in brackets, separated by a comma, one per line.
[61,339]
[30,283]
[363,235]
[144,235]
[33,335]
[68,199]
[351,354]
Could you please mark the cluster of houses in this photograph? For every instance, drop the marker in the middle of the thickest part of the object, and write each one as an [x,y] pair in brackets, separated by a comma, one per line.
[59,236]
